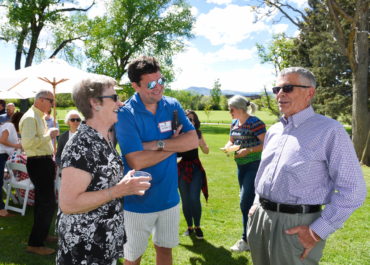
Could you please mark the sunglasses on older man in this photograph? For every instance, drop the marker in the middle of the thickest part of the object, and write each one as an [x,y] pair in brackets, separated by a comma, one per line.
[160,82]
[50,99]
[114,97]
[286,88]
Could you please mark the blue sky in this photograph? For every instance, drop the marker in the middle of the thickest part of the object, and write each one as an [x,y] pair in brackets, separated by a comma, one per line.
[223,47]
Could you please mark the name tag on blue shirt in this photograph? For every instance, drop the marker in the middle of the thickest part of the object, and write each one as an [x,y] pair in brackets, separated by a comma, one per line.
[165,126]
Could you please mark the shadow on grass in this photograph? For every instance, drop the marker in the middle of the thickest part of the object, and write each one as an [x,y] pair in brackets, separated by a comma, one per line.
[212,254]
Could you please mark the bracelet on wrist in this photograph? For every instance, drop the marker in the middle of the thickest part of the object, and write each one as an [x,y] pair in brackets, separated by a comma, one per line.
[110,194]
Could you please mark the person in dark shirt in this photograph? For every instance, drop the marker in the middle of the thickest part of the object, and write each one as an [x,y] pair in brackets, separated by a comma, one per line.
[2,106]
[192,179]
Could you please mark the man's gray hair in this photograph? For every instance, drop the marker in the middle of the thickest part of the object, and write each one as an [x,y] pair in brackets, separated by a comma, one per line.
[306,77]
[42,93]
[243,103]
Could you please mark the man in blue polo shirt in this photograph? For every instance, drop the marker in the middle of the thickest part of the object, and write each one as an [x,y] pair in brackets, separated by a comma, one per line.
[148,143]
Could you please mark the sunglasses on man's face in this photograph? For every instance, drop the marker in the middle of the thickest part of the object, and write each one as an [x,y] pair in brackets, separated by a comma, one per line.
[286,88]
[73,119]
[160,82]
[51,100]
[114,97]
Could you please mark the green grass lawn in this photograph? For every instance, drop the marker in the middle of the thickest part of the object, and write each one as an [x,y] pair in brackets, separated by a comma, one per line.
[221,222]
[223,116]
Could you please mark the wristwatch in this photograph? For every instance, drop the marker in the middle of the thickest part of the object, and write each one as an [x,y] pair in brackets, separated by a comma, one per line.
[160,145]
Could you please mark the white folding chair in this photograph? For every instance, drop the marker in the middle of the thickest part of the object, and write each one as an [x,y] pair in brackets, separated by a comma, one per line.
[5,188]
[24,184]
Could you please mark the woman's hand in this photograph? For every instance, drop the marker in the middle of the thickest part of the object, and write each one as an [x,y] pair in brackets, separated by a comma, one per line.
[19,145]
[242,153]
[131,185]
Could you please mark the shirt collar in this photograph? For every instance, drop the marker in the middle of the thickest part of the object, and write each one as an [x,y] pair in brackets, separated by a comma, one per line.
[298,118]
[39,112]
[139,105]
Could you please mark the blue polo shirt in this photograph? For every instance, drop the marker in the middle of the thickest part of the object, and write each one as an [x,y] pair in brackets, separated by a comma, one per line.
[4,118]
[137,125]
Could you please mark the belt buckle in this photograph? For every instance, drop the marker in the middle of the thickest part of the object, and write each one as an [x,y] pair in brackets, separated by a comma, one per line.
[303,208]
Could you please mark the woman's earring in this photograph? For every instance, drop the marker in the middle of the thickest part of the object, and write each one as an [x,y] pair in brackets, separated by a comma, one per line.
[97,109]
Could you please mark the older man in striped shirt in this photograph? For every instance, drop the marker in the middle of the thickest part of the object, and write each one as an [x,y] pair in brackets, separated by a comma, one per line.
[308,161]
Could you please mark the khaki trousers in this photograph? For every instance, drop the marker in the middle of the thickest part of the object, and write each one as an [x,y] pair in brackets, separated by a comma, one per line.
[269,244]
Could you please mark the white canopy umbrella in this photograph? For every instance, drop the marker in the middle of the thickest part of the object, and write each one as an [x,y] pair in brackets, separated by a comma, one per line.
[55,73]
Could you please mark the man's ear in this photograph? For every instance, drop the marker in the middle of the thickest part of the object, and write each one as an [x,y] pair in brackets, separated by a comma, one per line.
[311,93]
[135,86]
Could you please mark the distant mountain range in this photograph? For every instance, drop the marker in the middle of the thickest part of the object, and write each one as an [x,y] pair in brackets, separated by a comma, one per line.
[206,91]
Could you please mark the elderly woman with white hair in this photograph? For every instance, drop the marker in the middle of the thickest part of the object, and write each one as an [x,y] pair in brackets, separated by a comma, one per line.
[249,132]
[72,119]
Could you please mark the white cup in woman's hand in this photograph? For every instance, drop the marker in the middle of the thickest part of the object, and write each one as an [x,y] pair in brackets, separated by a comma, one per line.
[146,177]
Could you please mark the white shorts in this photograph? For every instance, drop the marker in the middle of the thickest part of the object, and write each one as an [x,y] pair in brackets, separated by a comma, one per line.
[164,225]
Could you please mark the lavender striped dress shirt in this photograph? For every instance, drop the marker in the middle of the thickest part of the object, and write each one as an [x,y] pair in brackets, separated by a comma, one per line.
[307,159]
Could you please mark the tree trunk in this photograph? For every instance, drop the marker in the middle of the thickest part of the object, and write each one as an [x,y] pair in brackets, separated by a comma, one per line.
[360,112]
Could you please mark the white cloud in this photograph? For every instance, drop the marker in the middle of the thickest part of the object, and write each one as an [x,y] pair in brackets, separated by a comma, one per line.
[296,34]
[229,53]
[230,25]
[219,2]
[300,3]
[196,70]
[279,28]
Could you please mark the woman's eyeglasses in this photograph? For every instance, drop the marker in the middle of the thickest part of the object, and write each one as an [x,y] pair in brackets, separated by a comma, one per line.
[114,97]
[73,119]
[286,88]
[190,119]
[160,82]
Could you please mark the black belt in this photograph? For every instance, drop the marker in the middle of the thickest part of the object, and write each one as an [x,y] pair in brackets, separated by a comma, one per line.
[40,157]
[289,208]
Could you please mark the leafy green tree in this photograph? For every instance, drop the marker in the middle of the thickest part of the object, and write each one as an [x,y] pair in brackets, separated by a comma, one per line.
[277,51]
[223,103]
[216,93]
[24,21]
[208,111]
[134,27]
[347,23]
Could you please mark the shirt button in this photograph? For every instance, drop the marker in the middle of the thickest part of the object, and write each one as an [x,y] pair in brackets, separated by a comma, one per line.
[296,126]
[266,194]
[287,130]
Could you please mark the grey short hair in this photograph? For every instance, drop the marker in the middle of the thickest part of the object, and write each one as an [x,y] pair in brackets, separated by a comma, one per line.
[68,116]
[306,77]
[243,103]
[90,87]
[42,93]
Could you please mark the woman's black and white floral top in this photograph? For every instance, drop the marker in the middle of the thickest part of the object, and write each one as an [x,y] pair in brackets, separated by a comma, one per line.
[95,237]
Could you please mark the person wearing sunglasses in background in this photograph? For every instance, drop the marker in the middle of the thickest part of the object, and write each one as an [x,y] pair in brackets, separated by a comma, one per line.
[192,180]
[249,132]
[36,141]
[10,108]
[145,136]
[308,160]
[73,120]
